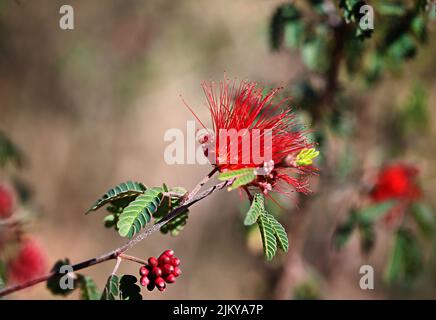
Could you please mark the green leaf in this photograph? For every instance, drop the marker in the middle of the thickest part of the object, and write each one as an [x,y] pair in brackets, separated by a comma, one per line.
[169,203]
[126,191]
[139,212]
[176,225]
[128,288]
[88,289]
[53,284]
[294,34]
[123,288]
[269,241]
[343,232]
[111,290]
[242,177]
[424,217]
[374,67]
[110,220]
[9,152]
[403,48]
[414,114]
[375,211]
[2,275]
[279,232]
[256,209]
[242,181]
[308,290]
[419,28]
[314,53]
[172,199]
[390,9]
[405,261]
[367,236]
[283,15]
[224,176]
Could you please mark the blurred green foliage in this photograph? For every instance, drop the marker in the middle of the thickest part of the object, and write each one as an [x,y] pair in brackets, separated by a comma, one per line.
[10,153]
[344,60]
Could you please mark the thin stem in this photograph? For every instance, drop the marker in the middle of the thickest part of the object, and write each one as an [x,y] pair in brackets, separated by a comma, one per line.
[250,196]
[82,265]
[132,258]
[117,265]
[119,252]
[199,185]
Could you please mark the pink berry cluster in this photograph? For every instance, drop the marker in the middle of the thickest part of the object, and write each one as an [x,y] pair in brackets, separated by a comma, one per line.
[158,272]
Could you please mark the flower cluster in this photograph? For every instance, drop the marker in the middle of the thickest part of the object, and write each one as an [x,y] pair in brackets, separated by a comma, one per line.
[158,272]
[254,118]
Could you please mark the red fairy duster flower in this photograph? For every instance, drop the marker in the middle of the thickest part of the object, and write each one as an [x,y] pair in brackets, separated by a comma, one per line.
[7,202]
[397,182]
[251,131]
[29,263]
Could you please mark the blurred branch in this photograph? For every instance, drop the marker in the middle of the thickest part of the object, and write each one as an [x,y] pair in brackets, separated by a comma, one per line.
[192,198]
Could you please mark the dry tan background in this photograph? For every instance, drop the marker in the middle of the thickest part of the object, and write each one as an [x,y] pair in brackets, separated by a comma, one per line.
[90,108]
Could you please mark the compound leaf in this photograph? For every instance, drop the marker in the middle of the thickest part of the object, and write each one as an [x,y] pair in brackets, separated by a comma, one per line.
[111,290]
[424,217]
[405,261]
[269,241]
[54,283]
[176,225]
[256,209]
[128,288]
[139,212]
[88,289]
[124,191]
[279,232]
[122,288]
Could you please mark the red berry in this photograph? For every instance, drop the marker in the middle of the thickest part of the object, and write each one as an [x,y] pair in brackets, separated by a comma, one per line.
[169,253]
[152,261]
[157,272]
[175,261]
[171,278]
[159,282]
[143,271]
[150,286]
[161,289]
[164,259]
[167,268]
[177,272]
[145,281]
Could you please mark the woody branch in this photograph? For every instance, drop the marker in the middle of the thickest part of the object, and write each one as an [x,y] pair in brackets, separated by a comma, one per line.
[118,253]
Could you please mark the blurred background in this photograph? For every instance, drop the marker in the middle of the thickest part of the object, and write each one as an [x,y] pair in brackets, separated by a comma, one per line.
[89,108]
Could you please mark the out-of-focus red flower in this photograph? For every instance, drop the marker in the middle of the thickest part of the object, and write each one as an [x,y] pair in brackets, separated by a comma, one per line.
[29,263]
[397,182]
[7,202]
[273,133]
